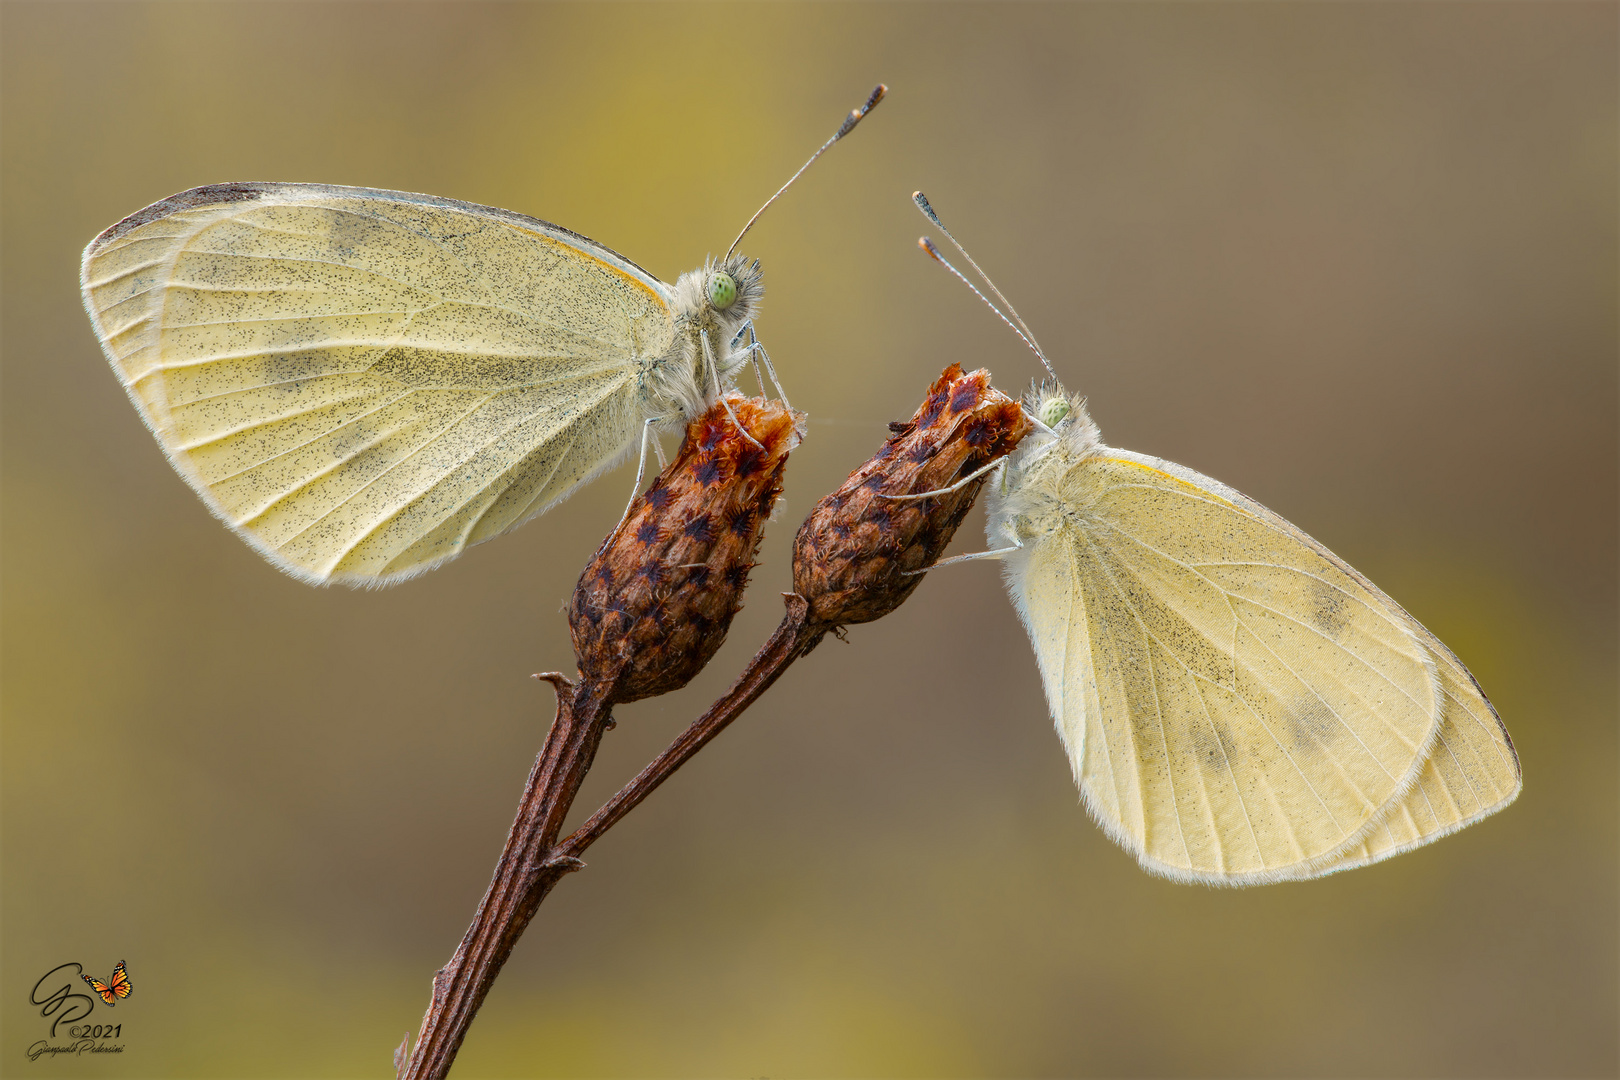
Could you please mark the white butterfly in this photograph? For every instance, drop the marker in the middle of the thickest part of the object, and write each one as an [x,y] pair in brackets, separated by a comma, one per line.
[364,383]
[1239,705]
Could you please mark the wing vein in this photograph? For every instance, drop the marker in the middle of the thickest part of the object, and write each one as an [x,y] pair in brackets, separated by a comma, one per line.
[1282,614]
[350,497]
[1236,693]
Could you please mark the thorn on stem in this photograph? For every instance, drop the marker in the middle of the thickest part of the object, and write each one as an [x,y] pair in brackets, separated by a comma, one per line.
[559,682]
[565,863]
[402,1057]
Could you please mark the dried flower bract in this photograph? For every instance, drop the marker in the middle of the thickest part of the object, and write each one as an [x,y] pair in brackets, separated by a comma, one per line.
[656,601]
[855,556]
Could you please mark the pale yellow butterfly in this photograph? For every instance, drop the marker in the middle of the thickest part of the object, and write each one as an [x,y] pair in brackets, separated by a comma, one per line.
[364,383]
[1239,706]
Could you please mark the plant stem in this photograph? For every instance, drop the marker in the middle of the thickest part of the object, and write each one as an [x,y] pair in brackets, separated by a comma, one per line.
[534,860]
[527,870]
[795,636]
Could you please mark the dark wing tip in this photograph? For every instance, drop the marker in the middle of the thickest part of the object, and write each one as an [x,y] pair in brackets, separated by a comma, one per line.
[207,195]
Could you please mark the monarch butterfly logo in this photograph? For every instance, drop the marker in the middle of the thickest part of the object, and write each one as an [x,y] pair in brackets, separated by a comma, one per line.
[114,988]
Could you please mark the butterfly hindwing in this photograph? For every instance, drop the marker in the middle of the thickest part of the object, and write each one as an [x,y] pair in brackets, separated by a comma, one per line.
[1241,705]
[1472,771]
[362,383]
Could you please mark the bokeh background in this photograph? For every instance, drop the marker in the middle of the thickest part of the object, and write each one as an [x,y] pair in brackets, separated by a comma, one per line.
[1357,260]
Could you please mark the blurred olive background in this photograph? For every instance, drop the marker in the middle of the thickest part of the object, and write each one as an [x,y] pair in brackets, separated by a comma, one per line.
[1358,261]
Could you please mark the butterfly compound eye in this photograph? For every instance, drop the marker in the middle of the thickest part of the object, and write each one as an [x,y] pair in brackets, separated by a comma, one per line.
[1053,410]
[722,290]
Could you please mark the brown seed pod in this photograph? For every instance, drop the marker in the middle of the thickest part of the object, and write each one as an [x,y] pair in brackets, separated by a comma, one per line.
[656,601]
[853,556]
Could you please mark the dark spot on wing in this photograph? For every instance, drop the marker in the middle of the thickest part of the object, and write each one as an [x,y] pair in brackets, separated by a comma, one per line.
[1311,724]
[1214,747]
[1328,612]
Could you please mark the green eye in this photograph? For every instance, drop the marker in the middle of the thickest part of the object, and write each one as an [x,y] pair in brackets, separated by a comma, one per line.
[722,290]
[1053,410]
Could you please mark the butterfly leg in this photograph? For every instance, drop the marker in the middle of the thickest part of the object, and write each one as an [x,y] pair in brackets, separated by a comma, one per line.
[753,358]
[719,392]
[641,469]
[756,353]
[994,553]
[781,394]
[968,479]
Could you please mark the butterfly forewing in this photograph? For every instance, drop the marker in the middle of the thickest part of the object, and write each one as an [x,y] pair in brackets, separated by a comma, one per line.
[365,382]
[1249,704]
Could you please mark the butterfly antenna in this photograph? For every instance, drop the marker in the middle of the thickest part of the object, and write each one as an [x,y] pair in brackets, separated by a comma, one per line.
[1022,328]
[933,252]
[855,117]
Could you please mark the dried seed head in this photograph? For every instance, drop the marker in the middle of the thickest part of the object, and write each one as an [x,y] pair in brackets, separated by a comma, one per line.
[656,601]
[853,555]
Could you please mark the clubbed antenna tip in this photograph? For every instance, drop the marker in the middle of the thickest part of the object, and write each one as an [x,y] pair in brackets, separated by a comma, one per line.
[855,117]
[1017,323]
[927,208]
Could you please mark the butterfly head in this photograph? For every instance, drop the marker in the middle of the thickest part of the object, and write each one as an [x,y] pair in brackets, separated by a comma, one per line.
[722,290]
[1064,416]
[734,288]
[721,295]
[1026,500]
[1052,406]
[712,306]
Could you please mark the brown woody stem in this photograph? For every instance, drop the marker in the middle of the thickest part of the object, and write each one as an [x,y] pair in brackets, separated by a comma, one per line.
[855,559]
[534,860]
[527,870]
[795,636]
